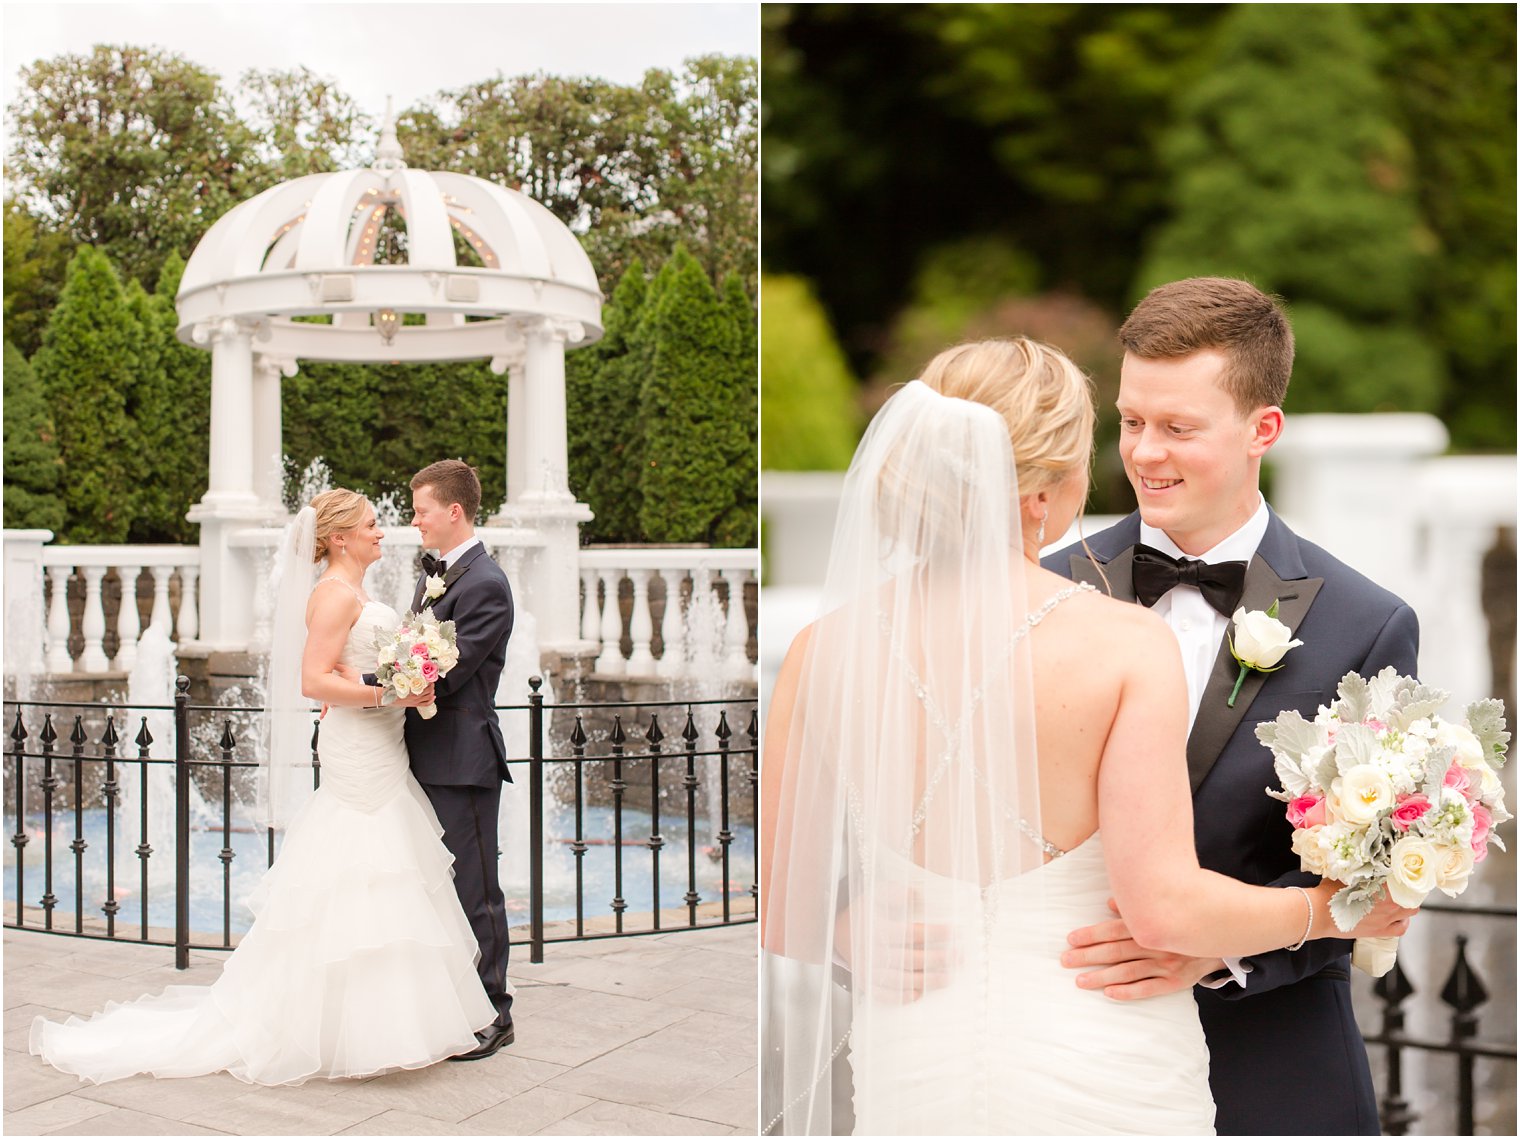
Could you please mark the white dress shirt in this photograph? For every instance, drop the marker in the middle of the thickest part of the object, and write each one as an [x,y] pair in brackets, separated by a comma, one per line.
[454,555]
[1197,625]
[1200,629]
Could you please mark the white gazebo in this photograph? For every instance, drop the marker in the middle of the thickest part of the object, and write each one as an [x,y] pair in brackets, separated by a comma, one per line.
[290,275]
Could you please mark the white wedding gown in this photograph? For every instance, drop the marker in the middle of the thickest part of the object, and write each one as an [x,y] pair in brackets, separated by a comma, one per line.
[1012,1047]
[360,959]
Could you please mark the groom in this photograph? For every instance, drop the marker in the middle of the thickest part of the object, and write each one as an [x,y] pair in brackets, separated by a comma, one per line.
[1206,367]
[458,756]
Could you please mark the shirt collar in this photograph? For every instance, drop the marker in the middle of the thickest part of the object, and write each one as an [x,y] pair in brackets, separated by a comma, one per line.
[1238,547]
[453,555]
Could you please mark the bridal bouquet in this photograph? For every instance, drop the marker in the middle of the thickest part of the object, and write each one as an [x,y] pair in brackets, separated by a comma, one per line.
[1384,794]
[420,651]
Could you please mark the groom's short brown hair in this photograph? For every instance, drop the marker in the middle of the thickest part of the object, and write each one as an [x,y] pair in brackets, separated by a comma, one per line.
[1230,316]
[452,481]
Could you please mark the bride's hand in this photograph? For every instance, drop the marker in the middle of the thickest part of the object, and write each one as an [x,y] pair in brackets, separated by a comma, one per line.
[921,958]
[417,701]
[1386,918]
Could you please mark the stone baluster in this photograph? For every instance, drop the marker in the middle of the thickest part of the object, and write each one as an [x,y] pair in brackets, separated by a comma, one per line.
[591,616]
[93,625]
[736,664]
[640,626]
[128,622]
[160,617]
[189,609]
[610,661]
[673,626]
[58,659]
[702,600]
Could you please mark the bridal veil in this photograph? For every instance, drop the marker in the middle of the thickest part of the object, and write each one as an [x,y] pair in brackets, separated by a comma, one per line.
[908,787]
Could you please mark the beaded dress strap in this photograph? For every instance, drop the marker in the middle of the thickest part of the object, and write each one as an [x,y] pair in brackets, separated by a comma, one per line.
[345,585]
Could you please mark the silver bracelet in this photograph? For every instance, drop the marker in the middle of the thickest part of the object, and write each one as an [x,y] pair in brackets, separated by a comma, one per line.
[1309,927]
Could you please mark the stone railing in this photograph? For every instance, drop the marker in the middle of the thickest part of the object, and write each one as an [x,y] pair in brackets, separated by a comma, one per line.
[63,596]
[708,633]
[44,615]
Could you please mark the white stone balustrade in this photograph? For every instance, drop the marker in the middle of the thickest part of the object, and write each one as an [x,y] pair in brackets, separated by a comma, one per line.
[705,632]
[701,633]
[93,563]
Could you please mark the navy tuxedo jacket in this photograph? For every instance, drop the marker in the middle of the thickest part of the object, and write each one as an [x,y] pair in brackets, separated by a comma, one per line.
[1290,1002]
[462,744]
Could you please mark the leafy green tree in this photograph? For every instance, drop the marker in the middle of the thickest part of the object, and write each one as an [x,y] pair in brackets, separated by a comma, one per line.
[35,262]
[303,124]
[1288,170]
[692,409]
[808,418]
[32,464]
[136,151]
[87,365]
[1451,71]
[601,404]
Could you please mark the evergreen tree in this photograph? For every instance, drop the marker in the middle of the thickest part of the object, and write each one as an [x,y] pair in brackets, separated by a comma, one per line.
[1289,171]
[32,464]
[601,407]
[739,525]
[86,367]
[693,409]
[808,419]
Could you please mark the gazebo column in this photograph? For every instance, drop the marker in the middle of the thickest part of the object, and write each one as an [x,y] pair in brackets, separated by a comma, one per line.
[517,428]
[230,503]
[541,497]
[268,437]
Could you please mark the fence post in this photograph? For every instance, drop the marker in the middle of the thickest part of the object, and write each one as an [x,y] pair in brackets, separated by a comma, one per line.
[20,839]
[182,822]
[1463,993]
[536,820]
[1393,988]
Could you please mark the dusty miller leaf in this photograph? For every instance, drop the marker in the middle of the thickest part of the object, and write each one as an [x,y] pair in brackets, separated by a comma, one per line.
[1352,904]
[1486,719]
[1353,699]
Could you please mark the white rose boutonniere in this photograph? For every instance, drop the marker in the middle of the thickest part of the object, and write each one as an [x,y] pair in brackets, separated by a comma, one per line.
[1258,643]
[435,587]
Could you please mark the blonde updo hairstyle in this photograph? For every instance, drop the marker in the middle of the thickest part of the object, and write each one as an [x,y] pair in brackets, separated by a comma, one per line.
[337,511]
[1044,398]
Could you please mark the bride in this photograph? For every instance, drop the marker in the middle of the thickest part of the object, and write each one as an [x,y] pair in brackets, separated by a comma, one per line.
[360,959]
[966,757]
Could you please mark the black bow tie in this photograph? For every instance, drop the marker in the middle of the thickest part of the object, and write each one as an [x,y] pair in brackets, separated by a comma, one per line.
[1221,583]
[433,566]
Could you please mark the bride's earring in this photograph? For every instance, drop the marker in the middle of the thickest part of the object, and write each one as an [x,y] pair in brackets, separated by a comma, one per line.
[1039,535]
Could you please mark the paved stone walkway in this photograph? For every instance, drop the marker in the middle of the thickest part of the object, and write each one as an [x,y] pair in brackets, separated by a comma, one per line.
[634,1036]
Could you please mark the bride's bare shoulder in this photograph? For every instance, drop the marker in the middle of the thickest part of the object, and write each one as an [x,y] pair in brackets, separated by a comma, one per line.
[1122,627]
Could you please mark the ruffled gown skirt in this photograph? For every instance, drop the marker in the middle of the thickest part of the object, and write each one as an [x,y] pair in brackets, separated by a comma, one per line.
[360,959]
[1012,1047]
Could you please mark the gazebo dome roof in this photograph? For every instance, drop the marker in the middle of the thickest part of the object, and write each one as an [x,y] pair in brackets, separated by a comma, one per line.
[476,256]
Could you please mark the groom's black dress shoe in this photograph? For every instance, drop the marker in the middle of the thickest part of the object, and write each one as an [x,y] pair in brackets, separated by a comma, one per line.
[492,1039]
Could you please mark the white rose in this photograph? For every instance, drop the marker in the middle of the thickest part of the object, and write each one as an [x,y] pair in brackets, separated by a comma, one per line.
[1362,794]
[401,684]
[1469,750]
[1412,874]
[435,587]
[1260,641]
[417,685]
[1453,866]
[388,654]
[1307,846]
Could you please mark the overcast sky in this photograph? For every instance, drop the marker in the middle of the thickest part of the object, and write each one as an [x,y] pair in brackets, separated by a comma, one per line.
[406,49]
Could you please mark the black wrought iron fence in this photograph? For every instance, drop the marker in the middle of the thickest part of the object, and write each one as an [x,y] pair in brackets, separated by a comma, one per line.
[1464,993]
[82,780]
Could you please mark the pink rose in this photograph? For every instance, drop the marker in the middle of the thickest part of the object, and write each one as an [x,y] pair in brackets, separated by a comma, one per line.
[1375,725]
[1483,821]
[1460,778]
[1306,811]
[429,671]
[419,650]
[1408,809]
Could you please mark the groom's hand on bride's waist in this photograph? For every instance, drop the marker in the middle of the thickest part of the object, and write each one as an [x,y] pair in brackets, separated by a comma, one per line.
[1123,969]
[906,961]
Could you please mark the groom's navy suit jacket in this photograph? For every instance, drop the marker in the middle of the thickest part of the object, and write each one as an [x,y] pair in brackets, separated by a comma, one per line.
[462,745]
[1286,1056]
